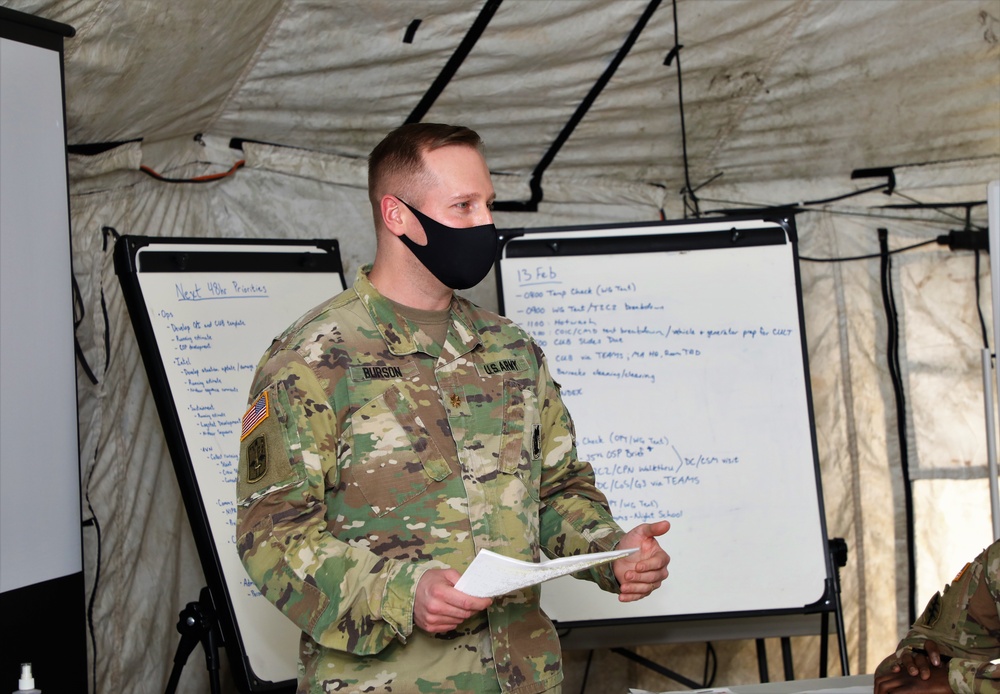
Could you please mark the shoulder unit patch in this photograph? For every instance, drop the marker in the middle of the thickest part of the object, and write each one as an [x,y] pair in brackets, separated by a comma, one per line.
[256,459]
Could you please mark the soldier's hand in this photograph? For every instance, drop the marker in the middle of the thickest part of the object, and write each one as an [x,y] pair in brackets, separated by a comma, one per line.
[919,664]
[438,607]
[642,572]
[904,683]
[915,671]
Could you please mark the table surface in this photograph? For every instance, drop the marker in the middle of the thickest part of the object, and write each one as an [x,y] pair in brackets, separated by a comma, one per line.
[861,682]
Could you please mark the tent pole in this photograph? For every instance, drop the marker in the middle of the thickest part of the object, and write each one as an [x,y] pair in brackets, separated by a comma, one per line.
[991,446]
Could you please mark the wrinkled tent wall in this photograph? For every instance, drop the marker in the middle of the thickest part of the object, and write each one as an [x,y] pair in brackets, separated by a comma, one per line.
[935,292]
[149,568]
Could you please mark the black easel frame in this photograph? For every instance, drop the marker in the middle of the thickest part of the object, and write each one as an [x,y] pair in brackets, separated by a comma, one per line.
[607,240]
[215,622]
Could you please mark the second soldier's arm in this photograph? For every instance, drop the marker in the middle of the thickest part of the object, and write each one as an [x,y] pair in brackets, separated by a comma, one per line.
[964,620]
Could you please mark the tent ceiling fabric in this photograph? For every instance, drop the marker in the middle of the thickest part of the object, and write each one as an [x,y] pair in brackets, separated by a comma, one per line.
[772,89]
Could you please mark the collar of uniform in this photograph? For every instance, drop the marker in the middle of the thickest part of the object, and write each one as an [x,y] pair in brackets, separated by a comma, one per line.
[398,332]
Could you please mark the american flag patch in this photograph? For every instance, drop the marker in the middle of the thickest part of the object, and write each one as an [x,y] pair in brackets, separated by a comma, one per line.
[255,415]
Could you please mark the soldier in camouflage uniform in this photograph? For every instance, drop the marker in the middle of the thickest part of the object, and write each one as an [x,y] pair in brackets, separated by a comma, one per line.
[398,429]
[951,646]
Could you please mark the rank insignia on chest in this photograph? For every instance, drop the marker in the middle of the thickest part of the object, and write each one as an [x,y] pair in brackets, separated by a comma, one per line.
[455,400]
[256,459]
[258,412]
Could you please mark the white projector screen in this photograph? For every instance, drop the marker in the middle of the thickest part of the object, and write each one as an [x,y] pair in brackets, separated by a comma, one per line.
[38,423]
[41,555]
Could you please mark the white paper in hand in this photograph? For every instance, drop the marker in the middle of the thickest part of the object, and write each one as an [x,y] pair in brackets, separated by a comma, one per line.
[491,574]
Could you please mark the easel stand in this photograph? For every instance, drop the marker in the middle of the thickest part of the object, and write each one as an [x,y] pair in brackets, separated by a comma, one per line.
[657,668]
[838,554]
[197,623]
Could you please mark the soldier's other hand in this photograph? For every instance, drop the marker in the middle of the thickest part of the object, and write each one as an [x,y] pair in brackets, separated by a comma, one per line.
[915,663]
[904,683]
[438,607]
[642,572]
[933,653]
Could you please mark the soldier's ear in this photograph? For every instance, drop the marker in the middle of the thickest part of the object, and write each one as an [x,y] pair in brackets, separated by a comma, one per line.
[393,217]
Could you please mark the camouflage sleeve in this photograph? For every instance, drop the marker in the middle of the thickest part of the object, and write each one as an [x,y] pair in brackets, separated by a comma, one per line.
[974,676]
[964,620]
[575,517]
[344,597]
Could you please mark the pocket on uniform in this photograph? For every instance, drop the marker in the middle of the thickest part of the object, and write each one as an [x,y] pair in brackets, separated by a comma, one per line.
[521,438]
[394,457]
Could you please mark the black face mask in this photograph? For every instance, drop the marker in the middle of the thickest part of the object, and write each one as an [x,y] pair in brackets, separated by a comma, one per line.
[460,257]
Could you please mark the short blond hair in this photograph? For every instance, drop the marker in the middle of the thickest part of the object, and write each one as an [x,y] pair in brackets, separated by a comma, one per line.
[396,165]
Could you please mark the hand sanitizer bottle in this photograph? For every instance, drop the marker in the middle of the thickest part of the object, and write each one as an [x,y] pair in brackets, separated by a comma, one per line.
[26,685]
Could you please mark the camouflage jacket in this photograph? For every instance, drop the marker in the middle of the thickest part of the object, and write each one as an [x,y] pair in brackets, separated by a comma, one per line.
[965,621]
[370,456]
